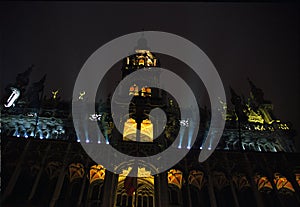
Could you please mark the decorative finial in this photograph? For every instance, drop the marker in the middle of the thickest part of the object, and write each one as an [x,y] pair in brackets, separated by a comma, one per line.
[54,94]
[81,95]
[142,43]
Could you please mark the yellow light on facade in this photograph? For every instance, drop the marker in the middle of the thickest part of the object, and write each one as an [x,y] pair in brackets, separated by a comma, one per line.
[146,131]
[129,133]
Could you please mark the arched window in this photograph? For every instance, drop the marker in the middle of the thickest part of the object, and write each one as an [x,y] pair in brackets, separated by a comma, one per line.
[124,200]
[97,172]
[282,184]
[76,171]
[175,178]
[263,184]
[96,177]
[174,186]
[143,194]
[130,130]
[196,178]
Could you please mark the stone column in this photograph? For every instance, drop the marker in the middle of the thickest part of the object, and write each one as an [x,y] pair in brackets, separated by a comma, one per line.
[60,179]
[84,180]
[39,175]
[210,186]
[109,187]
[288,172]
[161,186]
[157,191]
[233,191]
[270,177]
[250,175]
[14,178]
[291,177]
[186,178]
[188,193]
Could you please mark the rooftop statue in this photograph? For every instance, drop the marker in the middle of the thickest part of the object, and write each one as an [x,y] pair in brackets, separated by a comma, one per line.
[15,90]
[239,106]
[33,94]
[22,79]
[257,94]
[260,105]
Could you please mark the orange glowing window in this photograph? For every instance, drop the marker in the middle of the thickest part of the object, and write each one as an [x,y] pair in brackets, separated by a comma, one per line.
[263,184]
[141,62]
[196,178]
[175,177]
[76,170]
[97,172]
[281,182]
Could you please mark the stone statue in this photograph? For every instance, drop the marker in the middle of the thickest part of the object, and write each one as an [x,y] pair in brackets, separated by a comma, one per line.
[260,105]
[22,79]
[239,106]
[34,91]
[256,94]
[14,91]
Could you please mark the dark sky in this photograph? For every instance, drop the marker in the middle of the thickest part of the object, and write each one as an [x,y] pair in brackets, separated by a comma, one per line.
[260,41]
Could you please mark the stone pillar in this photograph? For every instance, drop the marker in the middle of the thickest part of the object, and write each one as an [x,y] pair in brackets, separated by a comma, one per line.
[109,187]
[188,192]
[60,179]
[250,175]
[185,176]
[233,191]
[157,191]
[13,179]
[84,180]
[161,190]
[270,177]
[39,175]
[291,177]
[288,172]
[210,186]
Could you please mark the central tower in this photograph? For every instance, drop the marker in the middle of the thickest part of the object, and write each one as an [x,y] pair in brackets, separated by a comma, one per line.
[138,124]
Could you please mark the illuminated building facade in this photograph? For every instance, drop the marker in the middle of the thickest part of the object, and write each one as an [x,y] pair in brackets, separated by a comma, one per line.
[43,164]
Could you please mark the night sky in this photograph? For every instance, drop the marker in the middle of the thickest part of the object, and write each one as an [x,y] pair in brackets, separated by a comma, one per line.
[260,41]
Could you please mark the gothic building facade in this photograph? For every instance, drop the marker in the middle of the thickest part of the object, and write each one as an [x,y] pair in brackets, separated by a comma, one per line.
[44,164]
